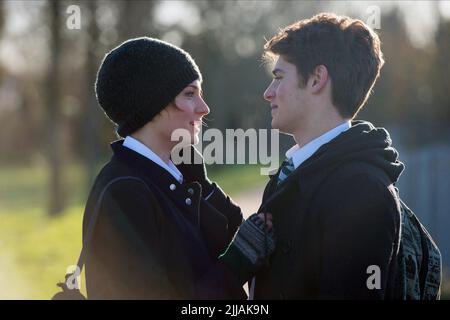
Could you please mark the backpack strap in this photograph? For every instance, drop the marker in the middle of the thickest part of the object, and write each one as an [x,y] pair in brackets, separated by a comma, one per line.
[71,291]
[94,218]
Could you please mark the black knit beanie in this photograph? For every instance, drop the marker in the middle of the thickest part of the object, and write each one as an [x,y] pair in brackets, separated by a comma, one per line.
[139,78]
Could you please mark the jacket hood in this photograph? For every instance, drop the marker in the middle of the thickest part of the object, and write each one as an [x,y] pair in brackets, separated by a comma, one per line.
[362,142]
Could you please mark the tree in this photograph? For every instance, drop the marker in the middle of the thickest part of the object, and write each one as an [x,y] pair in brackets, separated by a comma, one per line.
[1,16]
[135,18]
[90,113]
[440,70]
[56,202]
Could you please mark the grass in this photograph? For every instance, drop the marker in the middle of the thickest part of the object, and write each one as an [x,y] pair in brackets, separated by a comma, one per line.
[40,249]
[35,250]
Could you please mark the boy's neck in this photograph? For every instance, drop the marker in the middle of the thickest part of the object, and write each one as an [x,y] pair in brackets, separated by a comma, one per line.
[314,129]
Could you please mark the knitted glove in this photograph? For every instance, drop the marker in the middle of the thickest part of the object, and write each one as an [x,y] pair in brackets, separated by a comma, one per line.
[252,245]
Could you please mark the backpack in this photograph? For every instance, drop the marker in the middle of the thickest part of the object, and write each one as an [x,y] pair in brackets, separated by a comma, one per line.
[419,260]
[419,263]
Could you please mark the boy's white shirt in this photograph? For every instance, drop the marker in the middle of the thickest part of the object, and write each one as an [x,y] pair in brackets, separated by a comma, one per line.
[300,155]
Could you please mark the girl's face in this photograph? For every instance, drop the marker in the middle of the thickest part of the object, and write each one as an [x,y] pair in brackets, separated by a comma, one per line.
[187,110]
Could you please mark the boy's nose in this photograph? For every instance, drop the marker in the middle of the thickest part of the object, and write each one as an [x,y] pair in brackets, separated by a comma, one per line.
[269,93]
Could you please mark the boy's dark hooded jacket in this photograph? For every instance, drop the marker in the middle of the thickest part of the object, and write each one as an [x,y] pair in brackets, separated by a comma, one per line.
[335,216]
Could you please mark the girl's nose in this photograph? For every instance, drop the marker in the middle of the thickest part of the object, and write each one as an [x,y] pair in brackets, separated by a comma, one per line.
[202,108]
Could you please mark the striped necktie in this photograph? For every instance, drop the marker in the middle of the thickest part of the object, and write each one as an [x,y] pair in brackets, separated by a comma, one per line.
[286,169]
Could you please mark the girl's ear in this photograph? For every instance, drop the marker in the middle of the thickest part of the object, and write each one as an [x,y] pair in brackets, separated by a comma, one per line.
[172,106]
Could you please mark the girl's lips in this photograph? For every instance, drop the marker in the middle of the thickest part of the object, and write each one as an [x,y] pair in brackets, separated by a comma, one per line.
[196,124]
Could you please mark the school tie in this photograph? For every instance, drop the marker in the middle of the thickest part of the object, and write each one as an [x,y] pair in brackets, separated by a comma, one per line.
[286,169]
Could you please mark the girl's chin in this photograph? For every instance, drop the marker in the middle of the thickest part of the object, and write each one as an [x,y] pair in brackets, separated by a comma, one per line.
[195,139]
[195,133]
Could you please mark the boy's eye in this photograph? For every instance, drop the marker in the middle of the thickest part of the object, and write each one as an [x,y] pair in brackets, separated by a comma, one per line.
[277,77]
[190,93]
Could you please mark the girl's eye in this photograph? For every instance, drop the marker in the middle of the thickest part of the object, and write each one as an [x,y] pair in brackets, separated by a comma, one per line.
[190,94]
[278,78]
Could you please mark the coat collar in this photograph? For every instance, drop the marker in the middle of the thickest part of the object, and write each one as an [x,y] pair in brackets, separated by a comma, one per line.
[308,177]
[273,193]
[186,196]
[142,149]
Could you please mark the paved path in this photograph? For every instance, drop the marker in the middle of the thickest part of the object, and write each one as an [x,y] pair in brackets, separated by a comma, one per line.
[250,200]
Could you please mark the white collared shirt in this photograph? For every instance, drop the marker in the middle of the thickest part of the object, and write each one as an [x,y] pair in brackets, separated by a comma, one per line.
[301,154]
[142,149]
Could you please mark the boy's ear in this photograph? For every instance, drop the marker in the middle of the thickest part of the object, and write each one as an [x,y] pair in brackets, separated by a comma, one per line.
[319,78]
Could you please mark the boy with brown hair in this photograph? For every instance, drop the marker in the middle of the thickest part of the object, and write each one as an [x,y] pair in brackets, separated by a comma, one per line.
[336,213]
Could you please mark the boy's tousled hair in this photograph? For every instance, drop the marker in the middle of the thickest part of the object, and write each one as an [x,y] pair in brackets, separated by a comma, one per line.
[347,47]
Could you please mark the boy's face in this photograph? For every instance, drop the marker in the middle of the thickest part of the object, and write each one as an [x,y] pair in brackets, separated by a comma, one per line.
[288,101]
